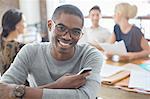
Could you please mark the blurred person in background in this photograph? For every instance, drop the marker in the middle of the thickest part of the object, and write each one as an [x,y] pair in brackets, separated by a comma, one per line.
[13,24]
[136,45]
[96,34]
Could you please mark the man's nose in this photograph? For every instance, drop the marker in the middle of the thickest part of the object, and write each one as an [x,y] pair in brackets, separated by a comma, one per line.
[67,35]
[95,17]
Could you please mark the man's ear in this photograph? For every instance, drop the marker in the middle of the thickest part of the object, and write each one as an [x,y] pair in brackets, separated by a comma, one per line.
[49,24]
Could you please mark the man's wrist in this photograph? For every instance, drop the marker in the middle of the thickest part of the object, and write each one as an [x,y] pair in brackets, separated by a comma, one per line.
[18,91]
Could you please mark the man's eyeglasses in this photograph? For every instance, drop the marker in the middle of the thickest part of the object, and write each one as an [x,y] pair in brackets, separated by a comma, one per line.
[62,30]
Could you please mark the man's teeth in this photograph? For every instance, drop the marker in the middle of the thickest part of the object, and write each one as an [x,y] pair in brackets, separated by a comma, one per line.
[65,44]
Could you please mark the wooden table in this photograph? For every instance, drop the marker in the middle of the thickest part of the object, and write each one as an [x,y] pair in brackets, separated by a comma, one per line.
[109,92]
[113,93]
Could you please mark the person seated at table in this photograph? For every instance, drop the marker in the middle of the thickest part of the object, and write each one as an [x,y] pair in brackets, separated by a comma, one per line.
[136,45]
[13,24]
[95,34]
[54,65]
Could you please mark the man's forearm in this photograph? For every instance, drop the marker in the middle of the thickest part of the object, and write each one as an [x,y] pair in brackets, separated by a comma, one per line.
[33,93]
[49,86]
[7,91]
[64,94]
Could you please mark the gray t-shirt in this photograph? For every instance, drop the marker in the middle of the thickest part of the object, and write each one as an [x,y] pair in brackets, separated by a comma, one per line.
[35,61]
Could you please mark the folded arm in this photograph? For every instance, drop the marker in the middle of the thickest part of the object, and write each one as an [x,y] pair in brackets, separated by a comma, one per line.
[87,89]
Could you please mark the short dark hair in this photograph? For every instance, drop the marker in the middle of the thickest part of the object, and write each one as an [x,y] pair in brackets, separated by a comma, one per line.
[95,8]
[68,9]
[10,20]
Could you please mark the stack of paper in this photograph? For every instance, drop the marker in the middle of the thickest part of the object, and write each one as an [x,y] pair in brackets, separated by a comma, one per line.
[116,48]
[140,80]
[109,70]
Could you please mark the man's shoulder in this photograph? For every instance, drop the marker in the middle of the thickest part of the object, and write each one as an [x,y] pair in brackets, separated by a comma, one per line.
[88,29]
[35,46]
[88,52]
[84,45]
[103,29]
[86,48]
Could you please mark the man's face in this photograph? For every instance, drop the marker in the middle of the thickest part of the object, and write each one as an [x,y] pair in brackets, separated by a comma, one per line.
[95,16]
[66,32]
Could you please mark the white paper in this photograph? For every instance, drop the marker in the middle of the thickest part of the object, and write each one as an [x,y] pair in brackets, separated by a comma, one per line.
[109,70]
[116,48]
[140,80]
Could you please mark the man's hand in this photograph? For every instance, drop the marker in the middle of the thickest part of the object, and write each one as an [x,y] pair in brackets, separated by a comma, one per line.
[6,91]
[72,81]
[67,81]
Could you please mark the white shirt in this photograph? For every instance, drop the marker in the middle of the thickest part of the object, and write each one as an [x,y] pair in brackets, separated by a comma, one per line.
[99,34]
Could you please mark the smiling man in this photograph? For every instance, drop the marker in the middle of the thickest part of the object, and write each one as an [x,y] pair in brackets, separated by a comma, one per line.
[96,32]
[53,66]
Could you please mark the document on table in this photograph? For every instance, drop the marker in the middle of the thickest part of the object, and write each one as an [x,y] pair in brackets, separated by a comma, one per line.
[118,48]
[140,80]
[109,70]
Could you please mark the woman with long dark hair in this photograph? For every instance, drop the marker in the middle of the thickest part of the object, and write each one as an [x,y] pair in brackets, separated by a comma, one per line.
[12,25]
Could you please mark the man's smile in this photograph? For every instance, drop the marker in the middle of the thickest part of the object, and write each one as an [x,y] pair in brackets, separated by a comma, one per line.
[64,43]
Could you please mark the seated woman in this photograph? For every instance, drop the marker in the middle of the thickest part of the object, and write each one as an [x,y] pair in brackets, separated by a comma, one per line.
[12,24]
[136,45]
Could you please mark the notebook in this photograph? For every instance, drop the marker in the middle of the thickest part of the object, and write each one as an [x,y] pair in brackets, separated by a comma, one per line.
[140,80]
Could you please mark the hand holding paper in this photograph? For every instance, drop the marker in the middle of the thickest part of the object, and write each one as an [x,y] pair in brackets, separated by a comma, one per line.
[117,48]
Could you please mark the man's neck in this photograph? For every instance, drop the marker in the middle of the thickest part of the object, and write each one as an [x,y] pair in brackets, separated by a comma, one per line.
[62,56]
[94,26]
